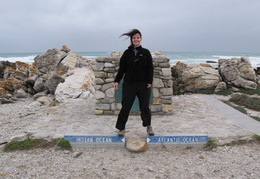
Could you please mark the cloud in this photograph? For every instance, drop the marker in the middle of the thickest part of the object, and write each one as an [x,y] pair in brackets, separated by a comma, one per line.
[169,25]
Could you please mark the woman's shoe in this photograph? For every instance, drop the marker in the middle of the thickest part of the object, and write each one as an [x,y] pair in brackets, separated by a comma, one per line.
[121,133]
[150,131]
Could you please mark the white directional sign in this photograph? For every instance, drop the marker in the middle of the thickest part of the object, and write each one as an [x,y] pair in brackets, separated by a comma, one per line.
[177,139]
[95,139]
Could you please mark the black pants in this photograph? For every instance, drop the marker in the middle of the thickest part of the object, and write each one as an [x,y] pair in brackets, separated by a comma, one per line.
[129,92]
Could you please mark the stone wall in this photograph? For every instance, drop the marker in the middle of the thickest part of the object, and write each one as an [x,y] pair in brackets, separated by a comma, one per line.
[105,71]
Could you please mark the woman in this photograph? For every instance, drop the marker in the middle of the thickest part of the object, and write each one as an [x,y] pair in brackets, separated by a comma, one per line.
[136,66]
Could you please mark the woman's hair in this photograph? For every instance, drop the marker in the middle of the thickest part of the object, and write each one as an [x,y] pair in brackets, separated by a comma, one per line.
[131,33]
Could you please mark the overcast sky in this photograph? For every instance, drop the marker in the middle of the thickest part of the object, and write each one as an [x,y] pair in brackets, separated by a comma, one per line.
[95,25]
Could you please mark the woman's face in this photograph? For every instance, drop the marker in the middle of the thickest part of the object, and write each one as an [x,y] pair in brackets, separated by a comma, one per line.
[136,40]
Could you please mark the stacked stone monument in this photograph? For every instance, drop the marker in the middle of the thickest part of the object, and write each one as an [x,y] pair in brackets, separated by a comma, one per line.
[105,71]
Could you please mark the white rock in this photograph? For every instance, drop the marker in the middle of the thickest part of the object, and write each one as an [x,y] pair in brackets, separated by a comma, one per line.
[20,137]
[99,95]
[34,104]
[166,71]
[58,136]
[110,93]
[45,100]
[109,65]
[70,60]
[158,83]
[20,93]
[82,80]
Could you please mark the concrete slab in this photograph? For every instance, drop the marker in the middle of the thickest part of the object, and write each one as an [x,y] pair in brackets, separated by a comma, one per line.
[192,114]
[238,118]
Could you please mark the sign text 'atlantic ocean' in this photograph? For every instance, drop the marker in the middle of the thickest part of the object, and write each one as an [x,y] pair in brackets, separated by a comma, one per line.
[177,139]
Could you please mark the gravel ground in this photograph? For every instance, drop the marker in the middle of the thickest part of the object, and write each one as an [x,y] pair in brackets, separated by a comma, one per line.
[224,162]
[239,161]
[15,117]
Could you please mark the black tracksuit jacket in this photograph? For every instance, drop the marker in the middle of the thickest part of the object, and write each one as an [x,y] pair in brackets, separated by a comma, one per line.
[136,67]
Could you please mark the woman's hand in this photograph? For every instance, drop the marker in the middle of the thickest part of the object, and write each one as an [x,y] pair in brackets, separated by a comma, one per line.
[149,85]
[116,86]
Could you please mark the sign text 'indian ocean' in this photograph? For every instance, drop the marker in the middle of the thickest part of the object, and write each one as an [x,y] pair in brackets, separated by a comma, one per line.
[95,139]
[177,139]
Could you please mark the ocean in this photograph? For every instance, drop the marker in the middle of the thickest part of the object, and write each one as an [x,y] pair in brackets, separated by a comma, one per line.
[185,57]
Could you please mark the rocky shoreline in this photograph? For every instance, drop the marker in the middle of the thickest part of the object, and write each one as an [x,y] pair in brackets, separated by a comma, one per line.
[60,74]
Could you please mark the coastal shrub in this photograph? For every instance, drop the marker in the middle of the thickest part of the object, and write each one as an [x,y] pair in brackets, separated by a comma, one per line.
[21,145]
[212,91]
[28,144]
[244,100]
[64,144]
[206,91]
[256,137]
[256,118]
[224,92]
[251,91]
[211,144]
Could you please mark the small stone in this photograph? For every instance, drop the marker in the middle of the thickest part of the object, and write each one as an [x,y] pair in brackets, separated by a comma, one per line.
[150,169]
[66,152]
[136,144]
[201,157]
[77,154]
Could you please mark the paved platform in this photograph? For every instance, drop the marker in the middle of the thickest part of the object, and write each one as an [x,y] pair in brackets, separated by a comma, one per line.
[240,119]
[192,114]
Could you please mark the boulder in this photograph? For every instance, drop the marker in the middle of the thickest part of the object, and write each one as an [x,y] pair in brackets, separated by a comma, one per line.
[8,72]
[257,70]
[39,85]
[136,144]
[157,54]
[53,81]
[48,70]
[11,84]
[65,48]
[50,61]
[20,73]
[116,54]
[194,77]
[82,62]
[3,65]
[221,87]
[33,70]
[238,72]
[76,85]
[14,79]
[3,92]
[31,80]
[69,61]
[22,67]
[20,93]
